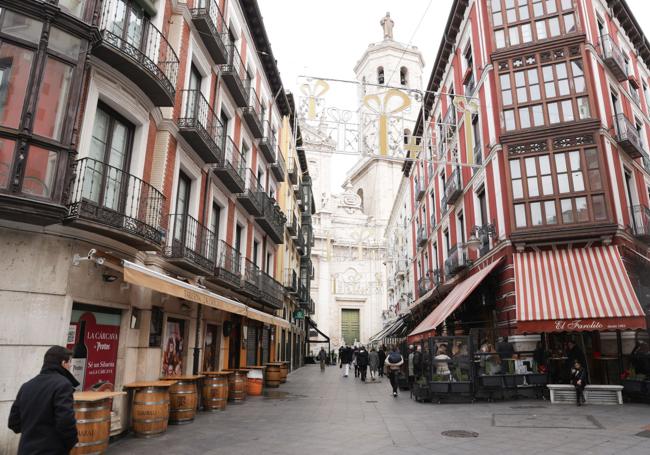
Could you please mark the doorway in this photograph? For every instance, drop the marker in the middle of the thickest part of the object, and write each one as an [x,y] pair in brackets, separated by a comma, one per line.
[350,325]
[211,348]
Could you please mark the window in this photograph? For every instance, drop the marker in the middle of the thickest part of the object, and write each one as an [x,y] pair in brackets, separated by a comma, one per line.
[461,227]
[380,75]
[509,119]
[506,92]
[476,133]
[404,76]
[40,172]
[16,67]
[215,220]
[182,205]
[74,7]
[256,247]
[238,236]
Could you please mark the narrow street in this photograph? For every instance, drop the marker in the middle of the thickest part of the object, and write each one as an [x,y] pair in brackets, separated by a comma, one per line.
[328,414]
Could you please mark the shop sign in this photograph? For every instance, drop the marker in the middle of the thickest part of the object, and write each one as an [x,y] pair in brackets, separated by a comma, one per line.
[299,314]
[94,347]
[577,325]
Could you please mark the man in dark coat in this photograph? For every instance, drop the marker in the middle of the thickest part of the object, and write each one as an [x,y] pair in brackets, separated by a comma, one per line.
[382,358]
[579,380]
[43,412]
[346,360]
[362,362]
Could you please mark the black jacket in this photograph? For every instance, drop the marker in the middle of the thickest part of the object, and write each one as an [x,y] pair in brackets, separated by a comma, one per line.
[382,357]
[579,375]
[346,355]
[363,358]
[43,413]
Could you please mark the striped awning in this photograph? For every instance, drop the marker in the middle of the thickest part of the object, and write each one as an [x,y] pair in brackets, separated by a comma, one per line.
[577,289]
[455,298]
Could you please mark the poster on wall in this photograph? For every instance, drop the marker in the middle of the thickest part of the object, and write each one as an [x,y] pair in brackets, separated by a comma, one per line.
[93,338]
[172,364]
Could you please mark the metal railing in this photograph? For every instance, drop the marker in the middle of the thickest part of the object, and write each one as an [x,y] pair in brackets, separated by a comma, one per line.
[235,64]
[197,113]
[191,240]
[210,8]
[272,290]
[140,40]
[251,274]
[641,221]
[613,56]
[453,187]
[424,285]
[291,280]
[627,134]
[456,260]
[253,100]
[228,258]
[422,236]
[233,158]
[115,198]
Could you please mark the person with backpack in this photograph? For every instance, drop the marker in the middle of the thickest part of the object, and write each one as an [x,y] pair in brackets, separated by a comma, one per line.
[394,363]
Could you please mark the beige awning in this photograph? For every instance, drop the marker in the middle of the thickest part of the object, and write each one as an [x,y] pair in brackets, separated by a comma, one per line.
[143,276]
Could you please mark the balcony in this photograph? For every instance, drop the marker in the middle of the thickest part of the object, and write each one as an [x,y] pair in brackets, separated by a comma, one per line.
[424,285]
[456,261]
[191,245]
[227,269]
[299,241]
[252,198]
[233,73]
[292,224]
[292,171]
[278,168]
[209,22]
[116,204]
[139,51]
[422,236]
[251,281]
[200,126]
[627,136]
[308,305]
[252,112]
[419,190]
[268,143]
[291,281]
[272,220]
[641,222]
[271,291]
[453,187]
[613,58]
[232,168]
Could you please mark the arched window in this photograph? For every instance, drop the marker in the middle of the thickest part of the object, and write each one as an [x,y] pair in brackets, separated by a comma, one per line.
[407,136]
[380,75]
[404,76]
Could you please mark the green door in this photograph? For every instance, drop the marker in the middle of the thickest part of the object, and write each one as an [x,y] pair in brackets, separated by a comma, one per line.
[350,326]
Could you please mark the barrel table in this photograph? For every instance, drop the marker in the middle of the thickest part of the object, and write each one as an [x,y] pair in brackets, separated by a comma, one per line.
[93,413]
[215,390]
[273,374]
[284,370]
[237,385]
[255,383]
[183,399]
[150,409]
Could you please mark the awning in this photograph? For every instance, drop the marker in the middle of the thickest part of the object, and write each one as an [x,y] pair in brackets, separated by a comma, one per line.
[391,328]
[579,289]
[142,276]
[455,298]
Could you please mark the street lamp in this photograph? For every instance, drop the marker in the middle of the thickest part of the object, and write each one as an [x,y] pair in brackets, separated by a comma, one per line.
[475,242]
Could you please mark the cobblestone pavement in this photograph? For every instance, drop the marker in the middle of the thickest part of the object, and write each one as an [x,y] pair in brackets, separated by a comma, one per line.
[324,413]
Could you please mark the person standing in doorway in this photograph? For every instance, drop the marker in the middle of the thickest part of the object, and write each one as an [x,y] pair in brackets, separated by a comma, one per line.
[373,362]
[362,363]
[579,380]
[43,412]
[346,359]
[381,354]
[322,355]
[394,363]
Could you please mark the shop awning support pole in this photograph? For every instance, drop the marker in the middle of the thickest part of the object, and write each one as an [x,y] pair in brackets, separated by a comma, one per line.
[197,336]
[584,353]
[619,348]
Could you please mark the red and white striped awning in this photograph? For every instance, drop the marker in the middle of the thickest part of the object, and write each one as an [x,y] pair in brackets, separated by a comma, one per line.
[579,289]
[455,298]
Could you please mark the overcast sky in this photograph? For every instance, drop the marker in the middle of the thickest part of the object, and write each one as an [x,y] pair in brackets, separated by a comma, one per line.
[327,38]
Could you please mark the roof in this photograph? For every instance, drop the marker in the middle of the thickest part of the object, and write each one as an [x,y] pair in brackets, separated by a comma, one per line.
[255,23]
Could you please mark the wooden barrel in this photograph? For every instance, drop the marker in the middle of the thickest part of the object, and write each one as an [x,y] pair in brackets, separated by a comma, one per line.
[93,426]
[254,382]
[273,376]
[215,393]
[150,411]
[183,401]
[237,386]
[284,372]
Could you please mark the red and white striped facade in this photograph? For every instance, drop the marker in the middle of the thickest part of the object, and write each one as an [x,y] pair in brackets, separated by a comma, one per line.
[559,166]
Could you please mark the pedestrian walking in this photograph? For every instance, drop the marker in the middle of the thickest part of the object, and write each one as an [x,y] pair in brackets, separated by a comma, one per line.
[322,356]
[355,353]
[411,367]
[346,359]
[43,412]
[579,380]
[394,362]
[373,363]
[362,363]
[341,349]
[382,358]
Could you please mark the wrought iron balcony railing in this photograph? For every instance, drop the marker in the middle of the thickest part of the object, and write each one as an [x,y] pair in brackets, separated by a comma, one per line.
[424,285]
[278,168]
[641,222]
[456,261]
[251,279]
[209,22]
[253,112]
[201,127]
[228,267]
[268,142]
[271,291]
[291,281]
[190,244]
[133,45]
[234,75]
[292,171]
[419,189]
[252,198]
[613,57]
[232,167]
[272,219]
[453,187]
[627,136]
[108,200]
[422,236]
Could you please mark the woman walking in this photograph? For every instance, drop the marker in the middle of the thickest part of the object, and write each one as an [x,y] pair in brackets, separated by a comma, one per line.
[394,363]
[374,363]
